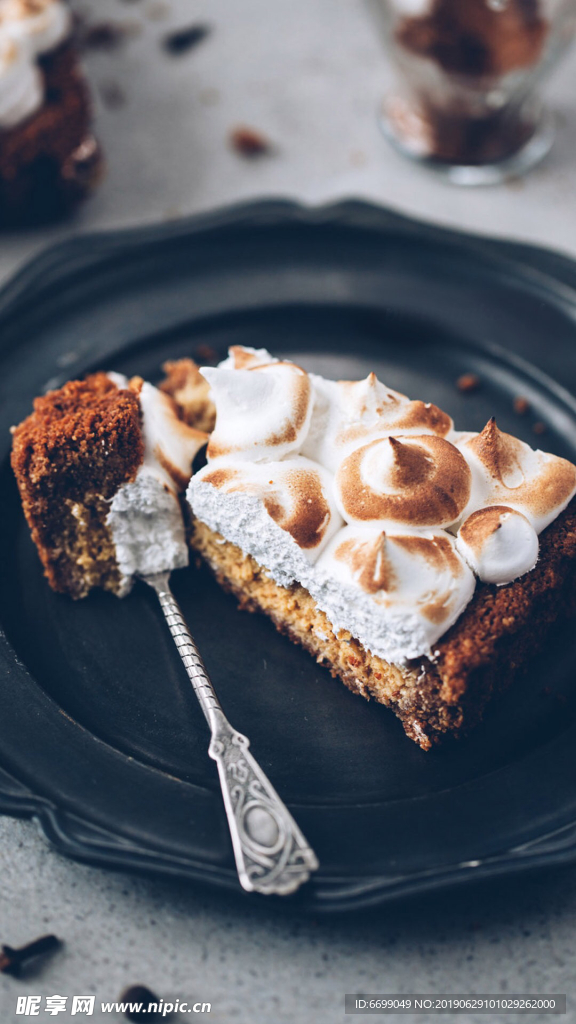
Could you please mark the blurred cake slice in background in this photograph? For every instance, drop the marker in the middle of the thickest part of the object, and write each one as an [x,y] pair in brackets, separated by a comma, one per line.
[49,159]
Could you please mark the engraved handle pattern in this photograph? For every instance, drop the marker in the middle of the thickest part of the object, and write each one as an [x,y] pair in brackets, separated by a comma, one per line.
[272,855]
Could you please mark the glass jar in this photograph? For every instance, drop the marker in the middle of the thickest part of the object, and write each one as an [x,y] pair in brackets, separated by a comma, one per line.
[469,72]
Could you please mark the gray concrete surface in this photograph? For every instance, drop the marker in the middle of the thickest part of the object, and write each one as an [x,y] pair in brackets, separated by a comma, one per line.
[308,73]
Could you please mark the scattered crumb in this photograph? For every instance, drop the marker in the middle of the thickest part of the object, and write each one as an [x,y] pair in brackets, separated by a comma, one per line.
[358,158]
[209,97]
[539,427]
[184,39]
[206,354]
[468,382]
[521,405]
[171,213]
[107,35]
[249,142]
[112,95]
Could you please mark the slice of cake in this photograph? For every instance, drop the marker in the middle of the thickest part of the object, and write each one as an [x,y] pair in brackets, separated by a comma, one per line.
[49,158]
[100,464]
[422,565]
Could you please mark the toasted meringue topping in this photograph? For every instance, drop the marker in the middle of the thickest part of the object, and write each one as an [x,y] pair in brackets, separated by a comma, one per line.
[350,413]
[262,413]
[418,481]
[397,471]
[509,472]
[296,495]
[145,518]
[167,439]
[498,543]
[421,568]
[418,577]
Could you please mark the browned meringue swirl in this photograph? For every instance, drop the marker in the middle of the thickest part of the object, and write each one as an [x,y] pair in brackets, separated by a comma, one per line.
[292,495]
[538,481]
[383,564]
[420,481]
[368,400]
[262,422]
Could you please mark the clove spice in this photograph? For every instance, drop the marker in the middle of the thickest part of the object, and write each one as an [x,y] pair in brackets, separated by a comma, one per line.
[13,960]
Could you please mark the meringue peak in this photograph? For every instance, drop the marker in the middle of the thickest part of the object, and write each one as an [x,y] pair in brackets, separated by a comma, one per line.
[368,400]
[418,481]
[500,453]
[262,413]
[412,464]
[369,562]
[243,357]
[508,471]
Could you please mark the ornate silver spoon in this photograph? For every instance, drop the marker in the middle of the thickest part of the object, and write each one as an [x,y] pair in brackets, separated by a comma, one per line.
[272,855]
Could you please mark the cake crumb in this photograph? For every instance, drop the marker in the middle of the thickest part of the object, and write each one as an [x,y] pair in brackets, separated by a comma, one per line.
[107,35]
[249,142]
[206,354]
[468,382]
[521,405]
[539,427]
[185,39]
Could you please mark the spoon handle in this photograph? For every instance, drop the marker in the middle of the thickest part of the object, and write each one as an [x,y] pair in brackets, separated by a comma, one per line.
[271,853]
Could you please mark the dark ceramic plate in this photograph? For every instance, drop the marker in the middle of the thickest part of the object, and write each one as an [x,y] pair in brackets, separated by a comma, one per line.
[100,734]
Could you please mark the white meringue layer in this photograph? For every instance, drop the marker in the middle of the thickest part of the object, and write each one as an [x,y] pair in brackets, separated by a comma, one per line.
[397,593]
[147,528]
[21,88]
[243,498]
[397,626]
[145,518]
[499,544]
